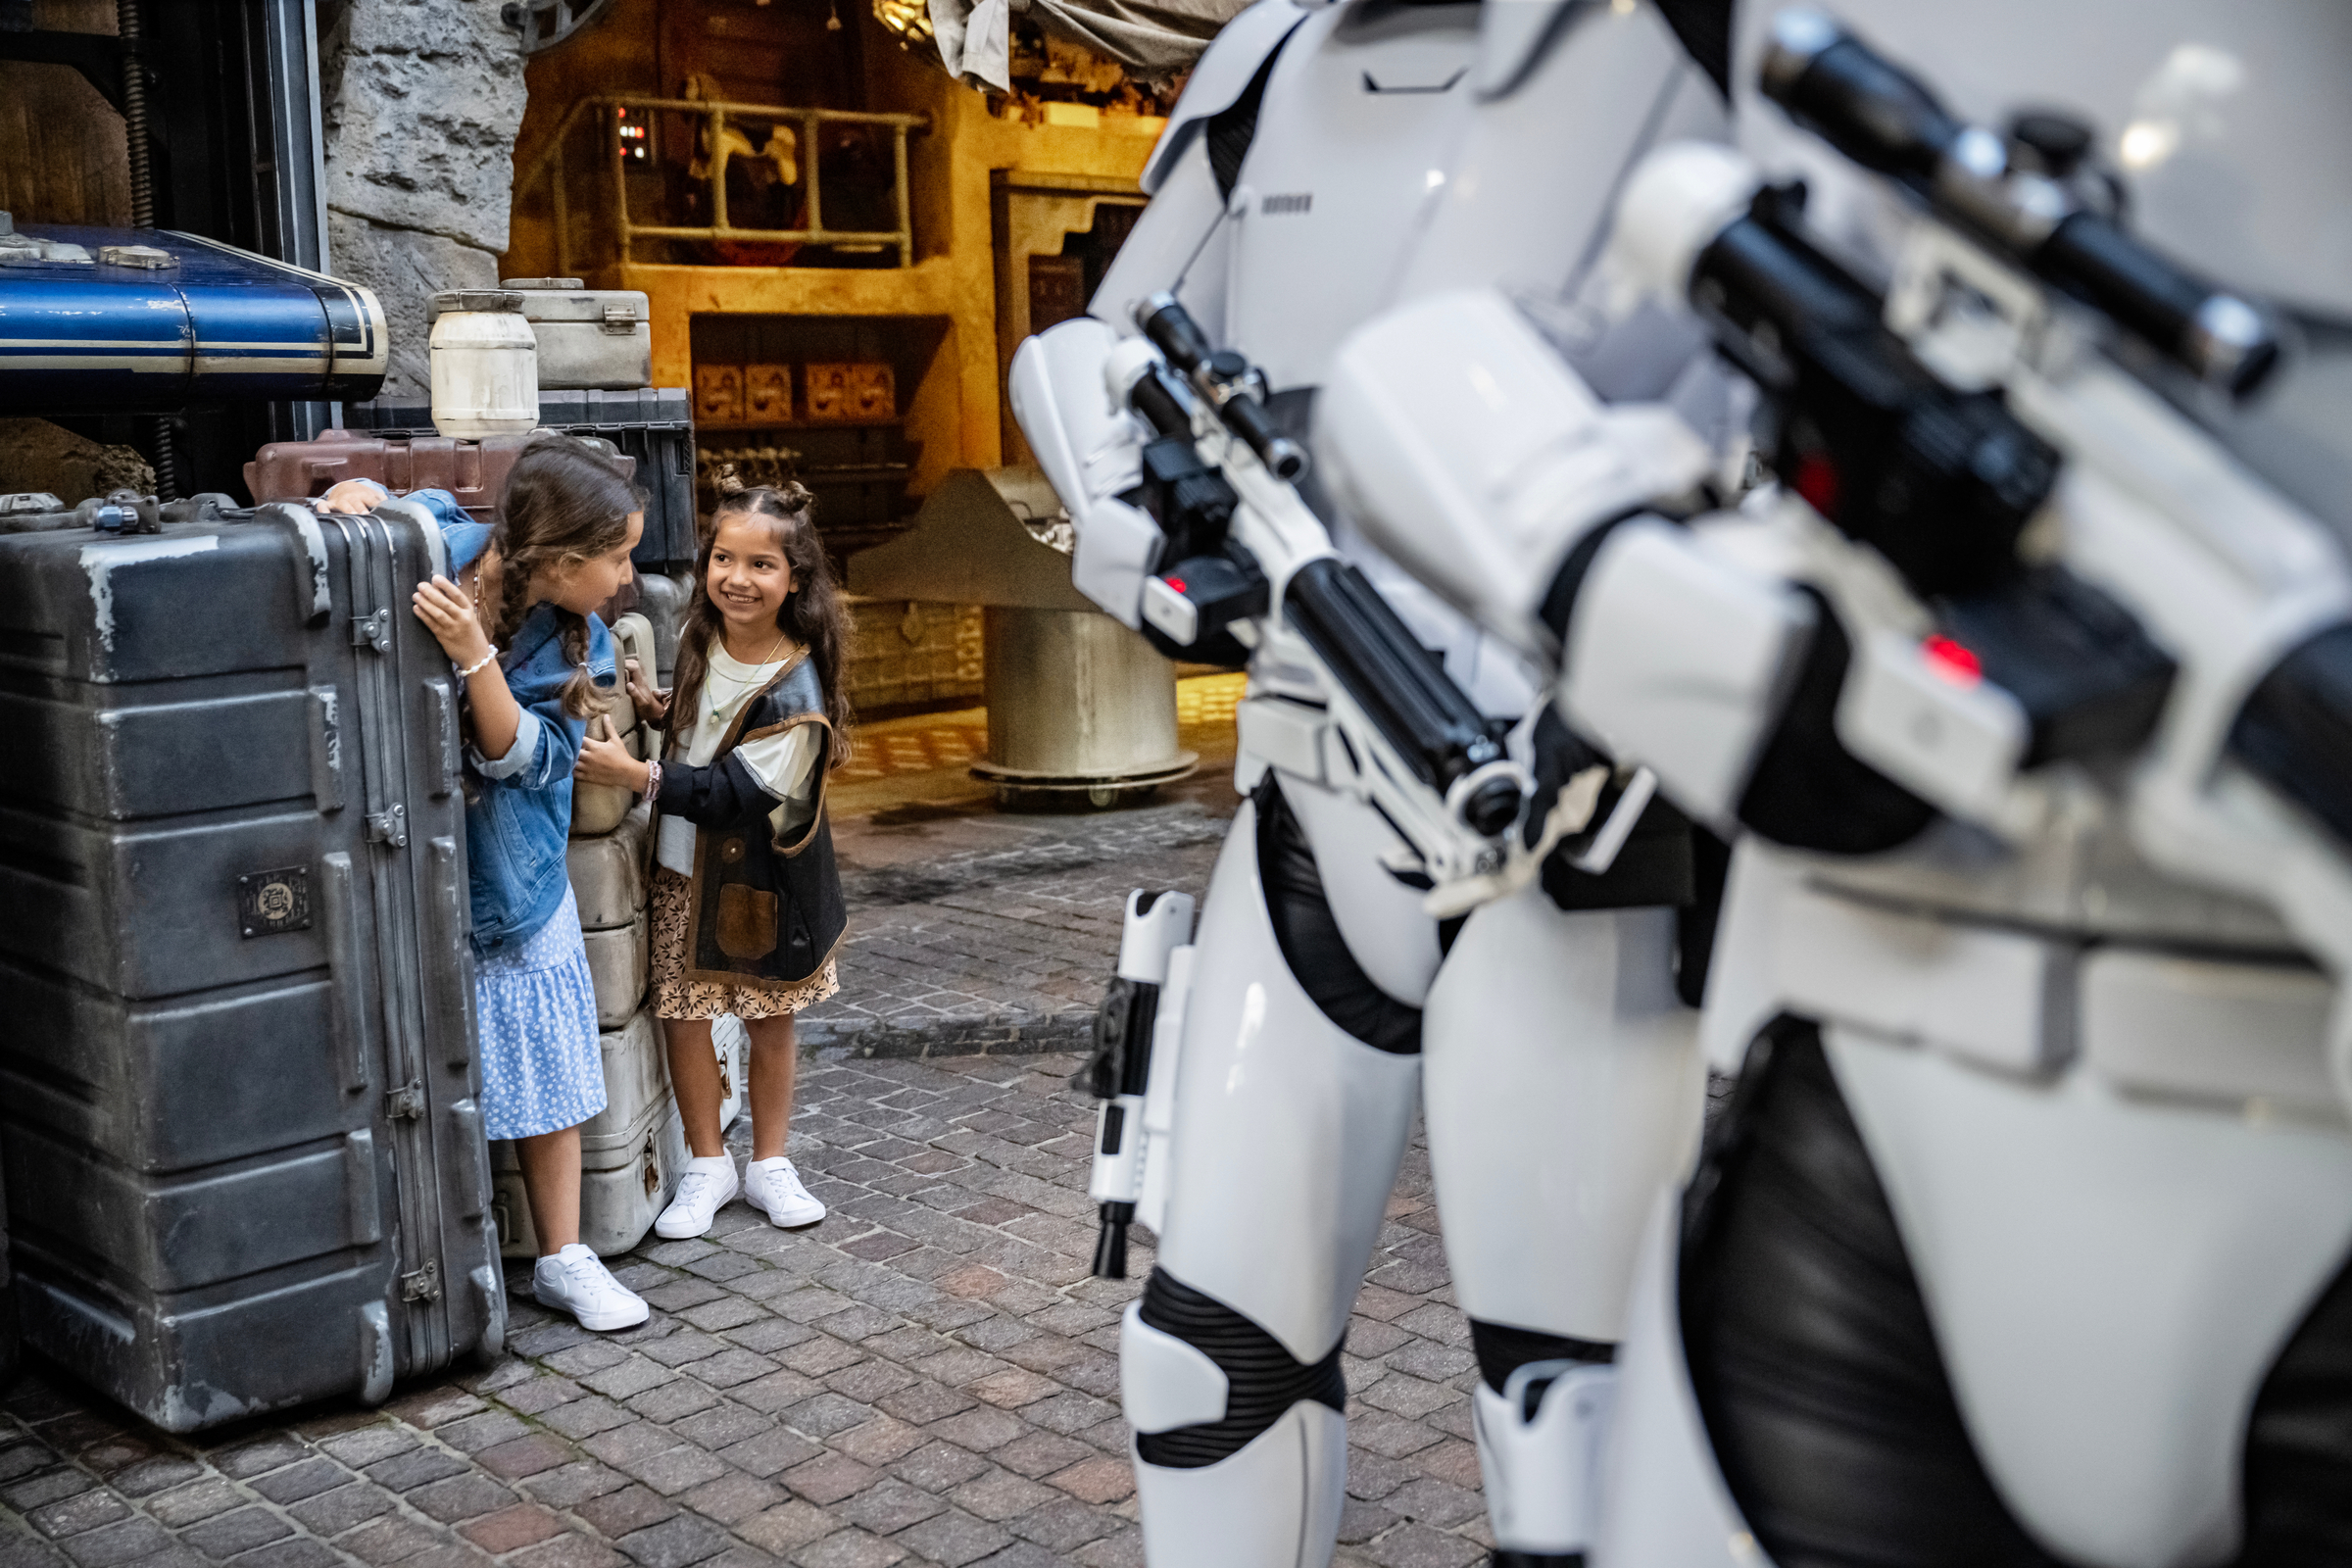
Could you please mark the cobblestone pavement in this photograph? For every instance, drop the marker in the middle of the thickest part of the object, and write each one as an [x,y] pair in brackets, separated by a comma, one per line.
[978,930]
[926,1378]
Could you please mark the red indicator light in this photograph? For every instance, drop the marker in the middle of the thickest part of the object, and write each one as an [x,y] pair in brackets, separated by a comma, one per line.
[1176,583]
[1817,481]
[1953,662]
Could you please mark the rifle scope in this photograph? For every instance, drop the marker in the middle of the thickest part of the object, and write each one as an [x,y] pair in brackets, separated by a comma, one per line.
[1887,120]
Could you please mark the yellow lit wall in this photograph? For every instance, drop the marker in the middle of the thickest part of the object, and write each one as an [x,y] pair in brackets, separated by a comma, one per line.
[955,411]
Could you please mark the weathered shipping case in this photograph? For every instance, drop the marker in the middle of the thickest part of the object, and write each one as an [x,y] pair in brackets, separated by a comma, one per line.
[237,1080]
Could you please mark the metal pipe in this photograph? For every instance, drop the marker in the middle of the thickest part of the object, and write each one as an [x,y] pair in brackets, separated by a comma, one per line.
[779,236]
[130,26]
[808,162]
[899,190]
[563,220]
[717,122]
[620,184]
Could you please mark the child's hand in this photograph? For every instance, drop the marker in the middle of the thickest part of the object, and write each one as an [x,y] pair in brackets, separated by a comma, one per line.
[352,495]
[652,706]
[605,761]
[447,614]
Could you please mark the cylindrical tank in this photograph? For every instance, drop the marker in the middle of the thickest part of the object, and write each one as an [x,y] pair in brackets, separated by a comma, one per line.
[1076,702]
[485,364]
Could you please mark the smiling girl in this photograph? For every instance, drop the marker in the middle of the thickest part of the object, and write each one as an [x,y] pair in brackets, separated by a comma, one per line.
[747,907]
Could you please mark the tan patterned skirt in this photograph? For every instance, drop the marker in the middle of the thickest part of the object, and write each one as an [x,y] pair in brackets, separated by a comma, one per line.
[676,996]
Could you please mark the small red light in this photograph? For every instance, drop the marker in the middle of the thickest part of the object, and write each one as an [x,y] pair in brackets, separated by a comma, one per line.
[1817,481]
[1176,583]
[1953,662]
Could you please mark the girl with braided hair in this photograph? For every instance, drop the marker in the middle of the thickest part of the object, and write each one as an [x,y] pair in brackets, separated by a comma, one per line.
[747,907]
[516,618]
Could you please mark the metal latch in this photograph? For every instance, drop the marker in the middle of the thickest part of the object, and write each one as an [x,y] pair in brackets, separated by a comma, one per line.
[423,1286]
[390,826]
[620,319]
[373,632]
[405,1104]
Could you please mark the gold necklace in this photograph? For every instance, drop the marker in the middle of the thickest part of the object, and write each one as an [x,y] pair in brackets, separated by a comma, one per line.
[715,674]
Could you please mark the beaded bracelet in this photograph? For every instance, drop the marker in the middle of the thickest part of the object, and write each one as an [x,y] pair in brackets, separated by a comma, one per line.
[653,780]
[474,669]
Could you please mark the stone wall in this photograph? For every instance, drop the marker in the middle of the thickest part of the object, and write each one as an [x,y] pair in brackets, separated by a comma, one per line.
[423,100]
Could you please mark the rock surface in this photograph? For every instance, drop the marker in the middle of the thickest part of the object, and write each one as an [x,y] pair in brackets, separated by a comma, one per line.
[35,455]
[423,101]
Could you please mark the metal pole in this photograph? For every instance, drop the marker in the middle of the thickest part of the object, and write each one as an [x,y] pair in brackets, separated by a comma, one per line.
[563,212]
[621,183]
[717,122]
[905,217]
[808,161]
[130,25]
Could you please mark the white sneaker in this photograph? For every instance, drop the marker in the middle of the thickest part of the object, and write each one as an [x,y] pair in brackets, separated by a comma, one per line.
[774,1185]
[576,1281]
[703,1192]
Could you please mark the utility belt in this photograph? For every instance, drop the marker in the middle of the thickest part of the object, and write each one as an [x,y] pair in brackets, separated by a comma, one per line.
[2249,1030]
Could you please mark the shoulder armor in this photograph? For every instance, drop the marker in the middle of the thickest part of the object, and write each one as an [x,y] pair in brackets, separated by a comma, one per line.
[1224,73]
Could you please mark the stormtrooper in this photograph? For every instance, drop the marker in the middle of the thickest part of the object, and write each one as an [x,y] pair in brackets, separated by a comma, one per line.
[1324,162]
[2025,1236]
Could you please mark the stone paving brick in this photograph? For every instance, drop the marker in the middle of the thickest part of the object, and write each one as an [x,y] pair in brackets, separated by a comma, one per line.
[788,1527]
[848,1548]
[828,1478]
[512,1528]
[331,1513]
[732,1498]
[570,1552]
[631,1508]
[185,1505]
[674,1543]
[465,1496]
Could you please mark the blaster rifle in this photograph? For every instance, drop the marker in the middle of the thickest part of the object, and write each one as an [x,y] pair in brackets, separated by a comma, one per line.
[1247,559]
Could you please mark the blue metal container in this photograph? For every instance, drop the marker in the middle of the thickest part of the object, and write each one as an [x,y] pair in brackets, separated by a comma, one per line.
[212,322]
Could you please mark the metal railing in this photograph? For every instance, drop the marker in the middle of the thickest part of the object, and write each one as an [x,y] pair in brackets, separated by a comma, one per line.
[714,117]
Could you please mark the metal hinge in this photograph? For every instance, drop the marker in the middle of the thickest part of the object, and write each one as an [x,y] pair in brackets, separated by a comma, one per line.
[373,632]
[389,826]
[402,1103]
[620,319]
[423,1286]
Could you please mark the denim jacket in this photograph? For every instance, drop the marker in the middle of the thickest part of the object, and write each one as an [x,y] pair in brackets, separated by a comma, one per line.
[519,815]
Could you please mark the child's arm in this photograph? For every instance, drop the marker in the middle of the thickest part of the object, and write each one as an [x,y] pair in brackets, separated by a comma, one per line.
[722,795]
[501,729]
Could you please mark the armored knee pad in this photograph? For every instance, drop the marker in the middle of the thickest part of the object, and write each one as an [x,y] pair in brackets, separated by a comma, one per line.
[1242,1447]
[1541,1413]
[1200,1381]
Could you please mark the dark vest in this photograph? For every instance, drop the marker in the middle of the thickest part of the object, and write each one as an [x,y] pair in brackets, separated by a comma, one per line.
[766,912]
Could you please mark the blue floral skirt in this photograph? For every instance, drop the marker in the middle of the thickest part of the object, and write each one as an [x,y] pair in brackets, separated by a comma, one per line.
[541,1069]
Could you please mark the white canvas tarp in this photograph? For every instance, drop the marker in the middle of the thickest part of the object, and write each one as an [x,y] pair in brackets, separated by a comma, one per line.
[1154,39]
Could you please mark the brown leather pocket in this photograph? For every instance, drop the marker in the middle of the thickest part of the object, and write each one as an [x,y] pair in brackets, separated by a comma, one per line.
[747,921]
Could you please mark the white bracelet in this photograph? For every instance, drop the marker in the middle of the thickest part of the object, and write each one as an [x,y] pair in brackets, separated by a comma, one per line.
[470,670]
[653,779]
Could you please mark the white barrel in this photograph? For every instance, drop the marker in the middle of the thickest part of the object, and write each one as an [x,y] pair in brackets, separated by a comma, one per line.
[485,364]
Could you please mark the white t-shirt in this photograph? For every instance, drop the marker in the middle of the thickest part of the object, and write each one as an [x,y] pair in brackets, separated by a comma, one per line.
[784,765]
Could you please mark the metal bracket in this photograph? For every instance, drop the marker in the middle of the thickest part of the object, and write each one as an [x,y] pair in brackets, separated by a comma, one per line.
[405,1104]
[389,826]
[373,632]
[619,320]
[423,1286]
